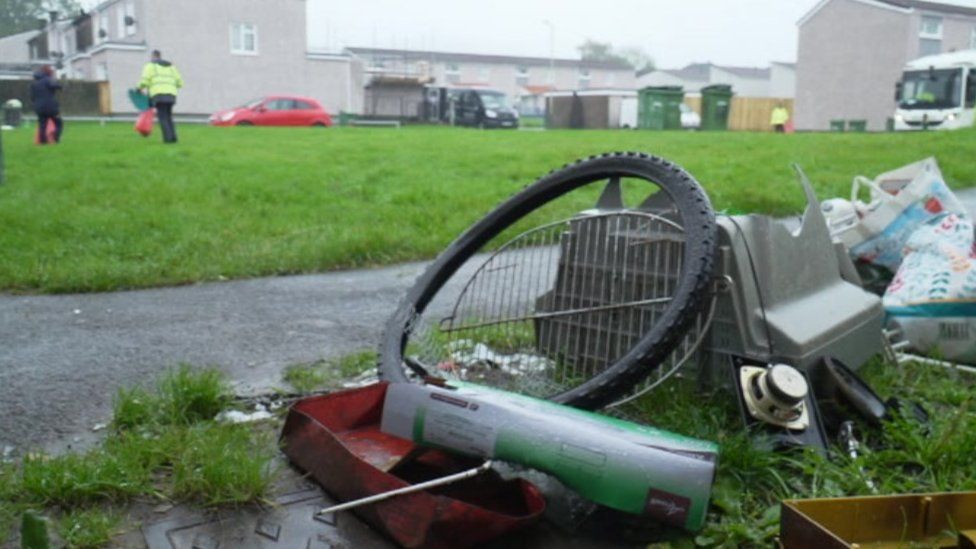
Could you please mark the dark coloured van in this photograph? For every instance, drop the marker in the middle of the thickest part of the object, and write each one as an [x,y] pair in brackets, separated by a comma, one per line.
[484,109]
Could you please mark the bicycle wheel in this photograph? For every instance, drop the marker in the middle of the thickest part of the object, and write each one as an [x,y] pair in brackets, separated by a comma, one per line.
[548,298]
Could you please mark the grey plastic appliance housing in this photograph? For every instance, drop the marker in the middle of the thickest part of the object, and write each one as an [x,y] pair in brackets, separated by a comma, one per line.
[789,296]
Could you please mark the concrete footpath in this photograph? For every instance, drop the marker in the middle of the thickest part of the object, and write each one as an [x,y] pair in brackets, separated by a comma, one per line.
[63,357]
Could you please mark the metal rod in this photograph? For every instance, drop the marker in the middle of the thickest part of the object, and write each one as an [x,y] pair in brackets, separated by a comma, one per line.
[557,314]
[907,357]
[409,489]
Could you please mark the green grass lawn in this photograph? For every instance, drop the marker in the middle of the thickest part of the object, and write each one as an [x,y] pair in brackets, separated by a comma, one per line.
[109,210]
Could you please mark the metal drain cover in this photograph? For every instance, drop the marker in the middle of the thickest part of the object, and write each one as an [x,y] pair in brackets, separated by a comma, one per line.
[291,523]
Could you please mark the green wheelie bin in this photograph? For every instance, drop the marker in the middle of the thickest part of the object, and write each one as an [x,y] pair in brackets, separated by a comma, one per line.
[716,104]
[659,107]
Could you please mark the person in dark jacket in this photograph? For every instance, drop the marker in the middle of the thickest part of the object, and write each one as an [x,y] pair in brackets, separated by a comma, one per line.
[43,92]
[162,82]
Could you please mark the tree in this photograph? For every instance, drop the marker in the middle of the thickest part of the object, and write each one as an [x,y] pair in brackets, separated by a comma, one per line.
[22,15]
[636,57]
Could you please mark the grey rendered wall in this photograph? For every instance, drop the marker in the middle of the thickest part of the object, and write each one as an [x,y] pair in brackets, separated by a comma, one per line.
[782,80]
[336,83]
[849,57]
[741,87]
[13,49]
[124,70]
[195,36]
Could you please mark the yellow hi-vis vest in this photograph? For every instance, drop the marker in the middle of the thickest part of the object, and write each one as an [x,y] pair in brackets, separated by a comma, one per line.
[780,116]
[160,79]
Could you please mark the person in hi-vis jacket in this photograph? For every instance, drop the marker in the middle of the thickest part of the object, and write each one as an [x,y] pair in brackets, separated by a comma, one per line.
[162,82]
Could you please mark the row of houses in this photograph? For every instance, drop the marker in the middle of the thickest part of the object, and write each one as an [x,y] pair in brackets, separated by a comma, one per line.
[850,54]
[229,51]
[241,49]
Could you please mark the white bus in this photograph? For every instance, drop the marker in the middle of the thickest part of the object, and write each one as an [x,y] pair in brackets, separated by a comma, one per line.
[937,92]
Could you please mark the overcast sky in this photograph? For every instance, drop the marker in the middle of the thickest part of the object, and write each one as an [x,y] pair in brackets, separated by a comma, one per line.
[674,32]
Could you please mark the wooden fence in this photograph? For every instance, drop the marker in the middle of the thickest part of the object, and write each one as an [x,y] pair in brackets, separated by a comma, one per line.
[77,98]
[748,113]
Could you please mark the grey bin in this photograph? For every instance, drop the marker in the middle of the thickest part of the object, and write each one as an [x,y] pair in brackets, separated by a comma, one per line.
[12,115]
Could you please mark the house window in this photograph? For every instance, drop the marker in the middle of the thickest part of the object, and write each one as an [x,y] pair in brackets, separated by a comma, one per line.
[244,38]
[930,36]
[931,27]
[584,79]
[522,76]
[130,18]
[101,34]
[452,73]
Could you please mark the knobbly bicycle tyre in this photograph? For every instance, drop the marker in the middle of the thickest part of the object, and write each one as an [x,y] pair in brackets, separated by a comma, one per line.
[698,221]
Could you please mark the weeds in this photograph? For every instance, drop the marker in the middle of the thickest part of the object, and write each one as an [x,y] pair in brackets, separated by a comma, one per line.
[164,444]
[325,374]
[219,465]
[903,456]
[88,528]
[82,479]
[187,396]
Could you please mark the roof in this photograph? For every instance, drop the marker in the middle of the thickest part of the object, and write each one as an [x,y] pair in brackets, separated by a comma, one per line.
[701,72]
[942,7]
[755,73]
[25,36]
[694,71]
[536,90]
[954,7]
[420,55]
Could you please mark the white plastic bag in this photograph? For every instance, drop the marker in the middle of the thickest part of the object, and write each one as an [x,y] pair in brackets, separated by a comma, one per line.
[900,202]
[933,295]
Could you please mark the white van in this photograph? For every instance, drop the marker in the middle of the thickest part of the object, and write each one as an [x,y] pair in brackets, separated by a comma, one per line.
[937,92]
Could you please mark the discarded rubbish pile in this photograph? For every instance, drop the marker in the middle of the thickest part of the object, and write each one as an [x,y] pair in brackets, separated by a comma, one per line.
[593,308]
[589,288]
[915,239]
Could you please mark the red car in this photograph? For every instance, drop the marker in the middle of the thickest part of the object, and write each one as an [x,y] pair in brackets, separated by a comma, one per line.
[275,110]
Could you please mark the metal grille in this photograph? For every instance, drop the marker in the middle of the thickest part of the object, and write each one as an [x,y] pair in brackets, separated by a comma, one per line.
[557,304]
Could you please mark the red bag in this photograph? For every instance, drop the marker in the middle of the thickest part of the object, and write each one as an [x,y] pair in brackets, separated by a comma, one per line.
[51,130]
[144,124]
